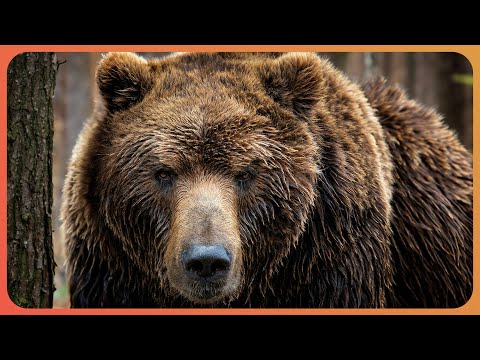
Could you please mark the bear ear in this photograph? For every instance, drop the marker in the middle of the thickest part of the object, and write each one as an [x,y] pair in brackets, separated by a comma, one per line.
[123,80]
[293,81]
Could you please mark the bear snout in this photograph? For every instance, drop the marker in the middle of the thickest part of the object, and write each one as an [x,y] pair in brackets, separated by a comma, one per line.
[203,257]
[206,263]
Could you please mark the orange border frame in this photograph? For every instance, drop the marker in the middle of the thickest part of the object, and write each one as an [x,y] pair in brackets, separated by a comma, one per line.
[8,52]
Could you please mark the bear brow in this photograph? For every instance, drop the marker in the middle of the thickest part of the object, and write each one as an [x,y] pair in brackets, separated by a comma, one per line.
[203,61]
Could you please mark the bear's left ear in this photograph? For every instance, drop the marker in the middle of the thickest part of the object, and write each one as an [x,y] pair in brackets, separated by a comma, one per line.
[293,81]
[123,80]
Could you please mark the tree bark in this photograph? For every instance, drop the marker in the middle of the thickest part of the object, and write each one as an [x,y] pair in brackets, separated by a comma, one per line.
[30,87]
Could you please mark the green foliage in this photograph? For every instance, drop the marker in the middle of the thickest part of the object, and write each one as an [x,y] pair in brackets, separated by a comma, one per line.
[466,79]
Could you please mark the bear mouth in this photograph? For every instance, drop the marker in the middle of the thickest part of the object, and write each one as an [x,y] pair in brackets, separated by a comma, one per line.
[206,292]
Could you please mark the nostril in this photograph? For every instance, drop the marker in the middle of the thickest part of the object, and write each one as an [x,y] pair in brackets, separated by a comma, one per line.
[206,261]
[194,266]
[220,265]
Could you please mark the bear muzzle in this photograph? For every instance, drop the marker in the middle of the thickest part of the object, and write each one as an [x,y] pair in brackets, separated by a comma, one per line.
[204,252]
[205,273]
[206,264]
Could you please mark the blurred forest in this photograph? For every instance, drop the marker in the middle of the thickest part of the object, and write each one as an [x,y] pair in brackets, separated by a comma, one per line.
[441,80]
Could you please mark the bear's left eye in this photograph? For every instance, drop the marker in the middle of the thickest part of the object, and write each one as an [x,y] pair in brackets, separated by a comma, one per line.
[245,178]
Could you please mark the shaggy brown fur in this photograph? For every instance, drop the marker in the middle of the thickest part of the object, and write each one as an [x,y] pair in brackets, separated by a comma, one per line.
[432,203]
[320,193]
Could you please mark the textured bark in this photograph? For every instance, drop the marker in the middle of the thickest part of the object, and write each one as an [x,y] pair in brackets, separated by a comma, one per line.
[30,87]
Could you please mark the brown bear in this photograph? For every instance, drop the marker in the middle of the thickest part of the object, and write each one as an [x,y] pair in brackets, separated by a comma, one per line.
[263,180]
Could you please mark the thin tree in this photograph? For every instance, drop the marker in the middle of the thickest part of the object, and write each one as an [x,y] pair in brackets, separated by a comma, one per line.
[30,263]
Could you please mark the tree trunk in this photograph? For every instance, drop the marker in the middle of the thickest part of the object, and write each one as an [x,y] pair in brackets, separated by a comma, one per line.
[30,86]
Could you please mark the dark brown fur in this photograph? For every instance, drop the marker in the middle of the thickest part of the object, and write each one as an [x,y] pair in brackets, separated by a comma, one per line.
[432,203]
[354,198]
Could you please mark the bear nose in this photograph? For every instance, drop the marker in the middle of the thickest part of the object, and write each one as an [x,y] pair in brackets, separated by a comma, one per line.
[206,261]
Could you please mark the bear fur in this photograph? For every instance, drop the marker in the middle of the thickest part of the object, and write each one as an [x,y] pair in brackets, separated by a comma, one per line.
[319,192]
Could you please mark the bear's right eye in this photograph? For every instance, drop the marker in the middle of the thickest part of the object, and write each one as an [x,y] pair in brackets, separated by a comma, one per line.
[165,176]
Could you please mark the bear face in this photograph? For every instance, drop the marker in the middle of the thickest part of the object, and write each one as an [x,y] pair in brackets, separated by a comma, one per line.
[198,182]
[263,180]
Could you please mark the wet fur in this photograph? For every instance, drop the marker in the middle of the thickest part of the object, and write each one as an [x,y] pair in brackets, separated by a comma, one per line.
[363,197]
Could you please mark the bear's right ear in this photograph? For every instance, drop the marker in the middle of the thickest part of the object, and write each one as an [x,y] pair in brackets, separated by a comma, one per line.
[123,80]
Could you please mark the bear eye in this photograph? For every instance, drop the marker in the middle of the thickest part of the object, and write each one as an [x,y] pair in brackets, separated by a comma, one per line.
[245,178]
[165,176]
